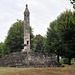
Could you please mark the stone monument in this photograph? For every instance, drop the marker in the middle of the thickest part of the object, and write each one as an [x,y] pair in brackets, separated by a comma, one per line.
[26,30]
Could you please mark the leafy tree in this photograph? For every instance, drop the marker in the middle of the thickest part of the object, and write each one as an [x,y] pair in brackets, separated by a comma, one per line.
[54,44]
[14,39]
[66,32]
[73,2]
[61,35]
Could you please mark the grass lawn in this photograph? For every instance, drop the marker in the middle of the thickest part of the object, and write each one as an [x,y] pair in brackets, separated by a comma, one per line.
[67,70]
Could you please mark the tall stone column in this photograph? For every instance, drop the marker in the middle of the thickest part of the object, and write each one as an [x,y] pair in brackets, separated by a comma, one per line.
[26,29]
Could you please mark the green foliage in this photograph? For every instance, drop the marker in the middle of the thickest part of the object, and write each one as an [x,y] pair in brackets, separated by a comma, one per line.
[54,44]
[1,49]
[73,60]
[61,35]
[64,61]
[39,43]
[14,38]
[51,36]
[66,31]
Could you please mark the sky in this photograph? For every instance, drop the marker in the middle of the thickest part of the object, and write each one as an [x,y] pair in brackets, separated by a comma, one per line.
[42,12]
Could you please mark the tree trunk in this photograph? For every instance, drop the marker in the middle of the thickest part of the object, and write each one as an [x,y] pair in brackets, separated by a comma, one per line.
[58,58]
[69,62]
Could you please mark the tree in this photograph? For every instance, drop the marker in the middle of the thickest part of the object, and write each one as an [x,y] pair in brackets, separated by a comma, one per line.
[66,31]
[61,35]
[73,2]
[15,37]
[53,40]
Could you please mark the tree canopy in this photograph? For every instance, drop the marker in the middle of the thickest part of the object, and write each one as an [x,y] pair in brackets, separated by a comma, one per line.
[39,43]
[61,35]
[66,31]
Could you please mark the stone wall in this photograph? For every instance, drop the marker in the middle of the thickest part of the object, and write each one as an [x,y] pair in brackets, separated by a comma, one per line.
[29,59]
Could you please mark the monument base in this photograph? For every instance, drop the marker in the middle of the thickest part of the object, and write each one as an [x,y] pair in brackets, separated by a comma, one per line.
[23,50]
[29,59]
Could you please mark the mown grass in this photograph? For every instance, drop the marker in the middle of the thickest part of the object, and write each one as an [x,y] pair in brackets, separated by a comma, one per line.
[67,70]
